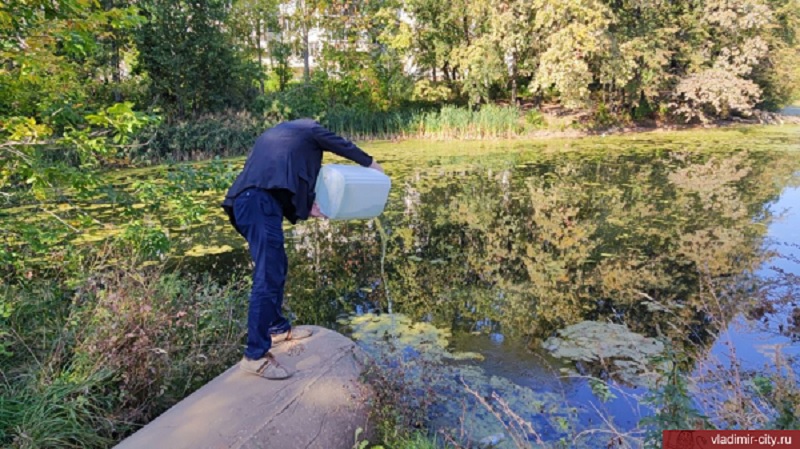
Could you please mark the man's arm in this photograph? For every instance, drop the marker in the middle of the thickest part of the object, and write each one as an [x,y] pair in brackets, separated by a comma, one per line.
[330,141]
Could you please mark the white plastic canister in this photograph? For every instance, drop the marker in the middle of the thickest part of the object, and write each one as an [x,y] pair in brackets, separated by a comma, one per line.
[346,192]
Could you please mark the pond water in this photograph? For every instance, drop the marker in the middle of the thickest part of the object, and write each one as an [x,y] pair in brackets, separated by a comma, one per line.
[542,270]
[496,248]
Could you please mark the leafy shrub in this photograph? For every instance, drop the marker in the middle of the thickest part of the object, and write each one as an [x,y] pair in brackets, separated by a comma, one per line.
[671,399]
[603,117]
[427,91]
[535,119]
[225,134]
[299,100]
[643,110]
[714,93]
[161,336]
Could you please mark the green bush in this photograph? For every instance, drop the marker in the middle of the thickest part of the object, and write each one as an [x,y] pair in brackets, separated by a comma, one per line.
[670,398]
[643,110]
[603,117]
[298,100]
[535,119]
[228,134]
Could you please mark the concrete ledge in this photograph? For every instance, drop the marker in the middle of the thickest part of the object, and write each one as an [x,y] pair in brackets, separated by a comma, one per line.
[321,406]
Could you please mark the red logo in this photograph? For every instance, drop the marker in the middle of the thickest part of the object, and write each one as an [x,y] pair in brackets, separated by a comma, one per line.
[730,439]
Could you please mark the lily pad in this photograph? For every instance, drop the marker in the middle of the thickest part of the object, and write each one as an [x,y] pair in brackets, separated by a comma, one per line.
[627,353]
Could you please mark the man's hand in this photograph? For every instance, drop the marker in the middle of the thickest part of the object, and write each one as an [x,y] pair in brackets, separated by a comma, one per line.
[375,165]
[315,212]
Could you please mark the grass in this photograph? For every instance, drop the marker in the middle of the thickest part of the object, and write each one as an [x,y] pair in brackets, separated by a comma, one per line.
[490,121]
[61,413]
[449,122]
[86,364]
[417,441]
[361,124]
[232,134]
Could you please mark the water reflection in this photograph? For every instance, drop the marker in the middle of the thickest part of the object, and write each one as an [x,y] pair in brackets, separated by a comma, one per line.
[664,242]
[536,247]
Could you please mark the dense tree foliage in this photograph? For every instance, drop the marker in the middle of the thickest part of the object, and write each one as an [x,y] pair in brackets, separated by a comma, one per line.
[190,60]
[691,60]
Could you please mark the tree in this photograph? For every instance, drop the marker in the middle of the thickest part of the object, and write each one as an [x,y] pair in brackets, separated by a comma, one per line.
[576,39]
[778,77]
[511,28]
[363,45]
[192,66]
[744,46]
[51,59]
[301,17]
[648,44]
[438,28]
[254,24]
[115,37]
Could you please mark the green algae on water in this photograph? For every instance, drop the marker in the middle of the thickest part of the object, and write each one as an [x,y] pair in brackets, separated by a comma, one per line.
[628,353]
[417,353]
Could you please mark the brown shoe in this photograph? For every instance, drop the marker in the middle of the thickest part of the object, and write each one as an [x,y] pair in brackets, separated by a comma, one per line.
[266,367]
[295,333]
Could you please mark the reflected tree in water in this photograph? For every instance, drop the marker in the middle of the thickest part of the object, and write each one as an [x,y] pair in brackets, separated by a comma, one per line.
[666,245]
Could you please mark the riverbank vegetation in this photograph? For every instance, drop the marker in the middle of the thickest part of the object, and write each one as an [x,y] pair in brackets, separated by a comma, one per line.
[85,366]
[102,326]
[212,74]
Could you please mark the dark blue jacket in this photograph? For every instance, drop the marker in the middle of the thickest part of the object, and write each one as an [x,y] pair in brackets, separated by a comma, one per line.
[288,157]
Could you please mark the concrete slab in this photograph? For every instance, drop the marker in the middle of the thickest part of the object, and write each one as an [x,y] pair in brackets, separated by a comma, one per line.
[321,406]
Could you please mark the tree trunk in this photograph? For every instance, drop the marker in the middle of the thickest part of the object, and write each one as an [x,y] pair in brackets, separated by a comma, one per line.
[306,67]
[116,78]
[115,69]
[181,109]
[260,57]
[514,79]
[514,90]
[465,23]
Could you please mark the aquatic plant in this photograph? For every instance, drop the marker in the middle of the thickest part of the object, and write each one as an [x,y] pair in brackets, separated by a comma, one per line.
[614,347]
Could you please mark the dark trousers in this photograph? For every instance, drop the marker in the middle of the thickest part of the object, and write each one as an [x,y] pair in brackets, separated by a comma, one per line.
[259,218]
